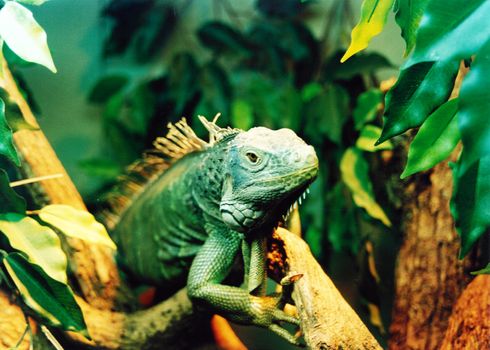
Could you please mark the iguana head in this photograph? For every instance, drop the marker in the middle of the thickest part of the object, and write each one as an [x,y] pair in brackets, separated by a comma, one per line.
[267,171]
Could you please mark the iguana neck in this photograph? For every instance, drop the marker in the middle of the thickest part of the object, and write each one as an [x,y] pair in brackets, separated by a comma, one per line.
[208,180]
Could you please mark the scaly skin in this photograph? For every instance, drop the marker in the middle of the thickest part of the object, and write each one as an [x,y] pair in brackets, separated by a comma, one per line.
[211,207]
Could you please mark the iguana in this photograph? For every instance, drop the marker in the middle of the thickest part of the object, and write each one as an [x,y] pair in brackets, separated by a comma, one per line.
[207,204]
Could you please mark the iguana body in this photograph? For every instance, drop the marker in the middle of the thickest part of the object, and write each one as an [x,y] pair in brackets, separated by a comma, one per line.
[216,203]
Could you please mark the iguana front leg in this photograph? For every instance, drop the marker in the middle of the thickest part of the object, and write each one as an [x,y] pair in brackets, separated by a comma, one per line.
[211,266]
[254,254]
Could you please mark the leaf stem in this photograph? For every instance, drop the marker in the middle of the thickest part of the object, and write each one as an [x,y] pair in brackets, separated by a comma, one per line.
[21,337]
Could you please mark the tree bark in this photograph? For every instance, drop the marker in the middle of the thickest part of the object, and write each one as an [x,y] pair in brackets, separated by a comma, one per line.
[328,322]
[429,276]
[469,324]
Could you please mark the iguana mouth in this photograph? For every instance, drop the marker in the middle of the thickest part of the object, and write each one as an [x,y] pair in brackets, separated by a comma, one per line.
[244,218]
[295,203]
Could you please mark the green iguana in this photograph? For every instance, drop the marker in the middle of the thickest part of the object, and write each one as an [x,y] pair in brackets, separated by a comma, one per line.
[208,204]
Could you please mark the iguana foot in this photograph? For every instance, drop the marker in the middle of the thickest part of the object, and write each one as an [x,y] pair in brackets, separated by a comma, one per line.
[266,312]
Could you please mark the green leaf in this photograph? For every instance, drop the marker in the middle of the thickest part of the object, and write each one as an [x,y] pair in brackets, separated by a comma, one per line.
[7,147]
[474,108]
[368,137]
[106,87]
[25,37]
[41,245]
[373,18]
[484,271]
[435,139]
[76,223]
[451,30]
[470,204]
[327,114]
[355,174]
[408,17]
[10,201]
[368,104]
[241,114]
[222,38]
[52,300]
[420,89]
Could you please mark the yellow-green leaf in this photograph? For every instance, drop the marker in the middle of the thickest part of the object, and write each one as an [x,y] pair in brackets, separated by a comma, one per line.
[355,174]
[40,243]
[371,23]
[76,223]
[368,137]
[24,36]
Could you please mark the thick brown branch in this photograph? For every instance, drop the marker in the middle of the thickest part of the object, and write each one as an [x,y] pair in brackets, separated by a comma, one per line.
[469,324]
[161,326]
[327,320]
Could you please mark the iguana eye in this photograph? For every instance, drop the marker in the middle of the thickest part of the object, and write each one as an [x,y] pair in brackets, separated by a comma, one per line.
[252,157]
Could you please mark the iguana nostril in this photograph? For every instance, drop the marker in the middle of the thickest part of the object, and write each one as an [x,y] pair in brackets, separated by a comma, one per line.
[312,159]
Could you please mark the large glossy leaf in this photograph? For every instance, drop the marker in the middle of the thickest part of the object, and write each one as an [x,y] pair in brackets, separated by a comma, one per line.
[52,300]
[408,16]
[435,139]
[76,223]
[10,201]
[368,137]
[25,37]
[420,89]
[474,108]
[451,30]
[41,245]
[6,138]
[373,18]
[470,204]
[355,174]
[368,104]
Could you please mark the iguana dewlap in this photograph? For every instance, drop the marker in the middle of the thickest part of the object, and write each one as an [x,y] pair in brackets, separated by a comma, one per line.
[215,202]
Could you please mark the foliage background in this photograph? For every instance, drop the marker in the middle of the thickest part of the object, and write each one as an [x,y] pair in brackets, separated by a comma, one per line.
[284,72]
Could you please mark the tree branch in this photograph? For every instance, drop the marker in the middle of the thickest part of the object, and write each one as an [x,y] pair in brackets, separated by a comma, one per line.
[327,320]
